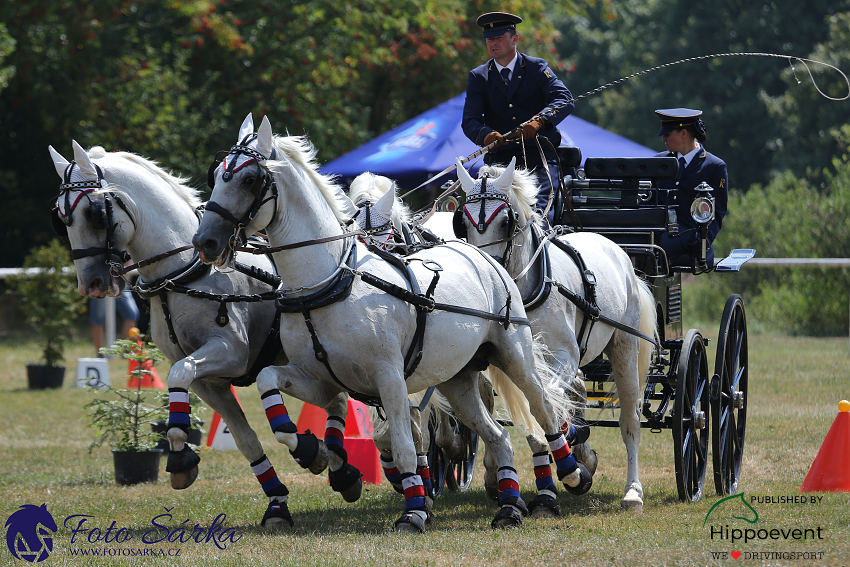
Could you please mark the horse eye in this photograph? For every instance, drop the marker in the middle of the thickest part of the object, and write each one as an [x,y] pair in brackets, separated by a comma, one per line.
[248,180]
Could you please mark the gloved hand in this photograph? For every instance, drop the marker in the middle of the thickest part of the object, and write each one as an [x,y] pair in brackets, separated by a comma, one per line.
[494,137]
[530,130]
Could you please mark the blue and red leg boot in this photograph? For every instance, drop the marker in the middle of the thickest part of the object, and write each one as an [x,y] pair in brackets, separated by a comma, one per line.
[512,508]
[424,471]
[277,512]
[565,464]
[546,500]
[309,452]
[346,479]
[415,514]
[186,459]
[392,473]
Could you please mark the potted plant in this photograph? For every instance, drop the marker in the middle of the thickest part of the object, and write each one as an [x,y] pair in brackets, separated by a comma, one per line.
[124,421]
[51,303]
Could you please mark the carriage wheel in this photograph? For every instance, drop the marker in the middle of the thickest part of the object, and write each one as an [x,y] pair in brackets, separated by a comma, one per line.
[690,418]
[729,397]
[459,474]
[437,461]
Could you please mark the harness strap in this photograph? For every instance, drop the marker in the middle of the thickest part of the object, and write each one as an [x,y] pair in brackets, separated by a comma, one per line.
[593,312]
[543,287]
[589,282]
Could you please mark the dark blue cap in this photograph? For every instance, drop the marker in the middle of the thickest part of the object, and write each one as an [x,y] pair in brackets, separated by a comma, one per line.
[677,118]
[497,23]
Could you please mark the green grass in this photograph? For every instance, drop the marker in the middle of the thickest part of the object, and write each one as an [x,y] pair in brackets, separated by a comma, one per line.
[795,385]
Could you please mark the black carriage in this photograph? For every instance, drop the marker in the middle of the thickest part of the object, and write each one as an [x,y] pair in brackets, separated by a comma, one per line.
[619,198]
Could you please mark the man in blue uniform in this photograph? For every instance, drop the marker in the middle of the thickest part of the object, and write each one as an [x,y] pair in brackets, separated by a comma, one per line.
[508,90]
[683,132]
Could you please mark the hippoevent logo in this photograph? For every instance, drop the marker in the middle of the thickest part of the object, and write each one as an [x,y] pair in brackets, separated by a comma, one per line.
[28,533]
[734,520]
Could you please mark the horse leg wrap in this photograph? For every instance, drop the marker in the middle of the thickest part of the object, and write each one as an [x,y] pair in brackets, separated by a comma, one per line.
[267,477]
[546,500]
[178,408]
[276,412]
[392,473]
[424,471]
[508,486]
[310,453]
[584,484]
[415,513]
[277,514]
[335,436]
[346,480]
[565,461]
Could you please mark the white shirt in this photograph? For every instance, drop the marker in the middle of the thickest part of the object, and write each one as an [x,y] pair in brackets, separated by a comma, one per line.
[691,154]
[510,66]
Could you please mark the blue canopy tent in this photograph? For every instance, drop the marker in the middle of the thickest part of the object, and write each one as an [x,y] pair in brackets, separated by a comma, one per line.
[429,143]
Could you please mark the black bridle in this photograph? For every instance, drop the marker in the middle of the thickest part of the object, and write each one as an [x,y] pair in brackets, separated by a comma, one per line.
[481,224]
[263,184]
[100,217]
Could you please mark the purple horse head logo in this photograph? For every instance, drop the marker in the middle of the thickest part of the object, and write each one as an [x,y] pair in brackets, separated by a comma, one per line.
[28,533]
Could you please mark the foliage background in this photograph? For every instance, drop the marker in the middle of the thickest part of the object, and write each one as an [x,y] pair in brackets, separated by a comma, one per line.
[172,80]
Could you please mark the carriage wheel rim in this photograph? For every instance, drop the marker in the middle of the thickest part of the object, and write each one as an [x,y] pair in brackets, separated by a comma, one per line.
[690,444]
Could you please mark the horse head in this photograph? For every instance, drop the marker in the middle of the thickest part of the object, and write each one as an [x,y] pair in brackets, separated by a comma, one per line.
[377,210]
[95,222]
[245,196]
[488,209]
[241,186]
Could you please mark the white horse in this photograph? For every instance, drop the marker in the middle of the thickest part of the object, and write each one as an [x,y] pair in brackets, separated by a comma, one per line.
[346,334]
[499,216]
[118,205]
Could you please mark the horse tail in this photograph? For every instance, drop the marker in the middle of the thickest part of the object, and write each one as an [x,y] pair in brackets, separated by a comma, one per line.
[517,404]
[648,326]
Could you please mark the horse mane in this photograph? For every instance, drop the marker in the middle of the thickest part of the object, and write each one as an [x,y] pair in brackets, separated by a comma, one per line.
[177,184]
[368,186]
[522,194]
[301,151]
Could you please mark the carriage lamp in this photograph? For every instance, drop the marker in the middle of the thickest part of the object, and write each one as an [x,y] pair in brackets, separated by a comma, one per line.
[702,208]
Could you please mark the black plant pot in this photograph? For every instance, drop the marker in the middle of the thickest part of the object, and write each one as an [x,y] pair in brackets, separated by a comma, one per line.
[134,467]
[162,428]
[41,377]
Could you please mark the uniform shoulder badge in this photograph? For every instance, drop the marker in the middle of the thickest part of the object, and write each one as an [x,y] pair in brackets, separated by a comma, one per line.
[722,183]
[547,73]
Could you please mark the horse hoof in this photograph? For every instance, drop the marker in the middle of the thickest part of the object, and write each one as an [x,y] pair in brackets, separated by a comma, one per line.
[352,494]
[585,481]
[632,502]
[410,523]
[587,456]
[544,506]
[507,517]
[347,481]
[277,516]
[311,453]
[182,480]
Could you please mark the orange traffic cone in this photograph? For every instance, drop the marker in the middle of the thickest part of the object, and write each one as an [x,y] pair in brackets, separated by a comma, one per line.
[829,471]
[151,378]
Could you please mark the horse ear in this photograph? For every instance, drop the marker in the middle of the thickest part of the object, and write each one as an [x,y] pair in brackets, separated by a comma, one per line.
[265,144]
[346,204]
[59,162]
[84,162]
[384,205]
[246,129]
[504,181]
[466,180]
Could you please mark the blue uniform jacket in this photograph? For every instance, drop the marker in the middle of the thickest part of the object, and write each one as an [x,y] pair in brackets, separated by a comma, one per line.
[491,105]
[704,167]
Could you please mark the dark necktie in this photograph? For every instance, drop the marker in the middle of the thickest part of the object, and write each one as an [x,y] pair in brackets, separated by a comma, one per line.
[681,166]
[506,73]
